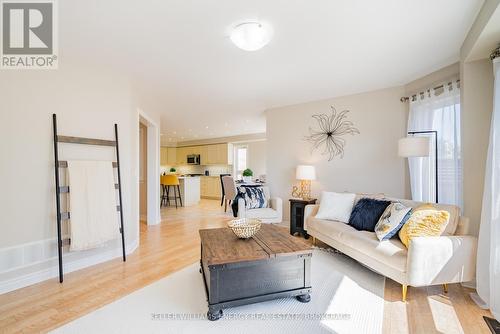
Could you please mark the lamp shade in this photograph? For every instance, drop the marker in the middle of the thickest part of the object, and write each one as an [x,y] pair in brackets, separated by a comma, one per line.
[414,147]
[305,172]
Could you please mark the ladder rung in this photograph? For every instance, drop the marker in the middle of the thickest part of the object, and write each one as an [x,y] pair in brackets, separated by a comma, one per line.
[86,141]
[65,189]
[64,164]
[66,215]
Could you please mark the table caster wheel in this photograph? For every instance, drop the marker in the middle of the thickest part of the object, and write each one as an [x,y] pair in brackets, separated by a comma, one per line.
[214,315]
[304,298]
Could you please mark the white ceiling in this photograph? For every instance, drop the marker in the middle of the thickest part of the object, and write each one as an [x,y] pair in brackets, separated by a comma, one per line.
[180,52]
[488,40]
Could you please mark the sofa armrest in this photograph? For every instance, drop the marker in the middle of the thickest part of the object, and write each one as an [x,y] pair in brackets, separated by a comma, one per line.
[241,208]
[310,211]
[463,226]
[277,204]
[439,260]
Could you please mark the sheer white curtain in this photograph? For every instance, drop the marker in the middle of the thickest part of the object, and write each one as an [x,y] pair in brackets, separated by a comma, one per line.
[437,111]
[488,253]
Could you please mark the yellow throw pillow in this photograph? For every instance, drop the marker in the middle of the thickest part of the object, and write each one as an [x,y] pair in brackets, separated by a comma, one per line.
[425,221]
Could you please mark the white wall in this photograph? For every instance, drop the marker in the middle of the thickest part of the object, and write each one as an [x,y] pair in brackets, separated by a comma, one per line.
[257,157]
[370,163]
[477,81]
[87,102]
[476,108]
[443,75]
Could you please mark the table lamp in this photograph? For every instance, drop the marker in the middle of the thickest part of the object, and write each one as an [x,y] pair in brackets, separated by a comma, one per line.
[305,174]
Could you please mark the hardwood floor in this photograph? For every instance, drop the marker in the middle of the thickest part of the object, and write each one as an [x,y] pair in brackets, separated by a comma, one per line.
[174,244]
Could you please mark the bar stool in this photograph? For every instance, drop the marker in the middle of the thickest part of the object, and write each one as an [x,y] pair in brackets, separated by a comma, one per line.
[168,181]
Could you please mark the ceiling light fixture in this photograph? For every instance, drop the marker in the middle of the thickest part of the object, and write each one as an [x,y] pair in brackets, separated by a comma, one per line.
[251,36]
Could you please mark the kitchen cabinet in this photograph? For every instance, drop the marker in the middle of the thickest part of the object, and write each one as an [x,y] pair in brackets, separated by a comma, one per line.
[213,154]
[218,154]
[181,155]
[168,156]
[163,156]
[224,154]
[204,155]
[171,156]
[210,187]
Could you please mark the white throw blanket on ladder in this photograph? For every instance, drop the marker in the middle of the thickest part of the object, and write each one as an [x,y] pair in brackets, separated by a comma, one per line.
[92,204]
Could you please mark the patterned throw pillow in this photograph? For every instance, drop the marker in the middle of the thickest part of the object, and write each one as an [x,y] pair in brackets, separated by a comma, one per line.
[425,221]
[391,221]
[255,197]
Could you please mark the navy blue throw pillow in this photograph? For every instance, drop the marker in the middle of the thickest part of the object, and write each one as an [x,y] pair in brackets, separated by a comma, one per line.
[366,213]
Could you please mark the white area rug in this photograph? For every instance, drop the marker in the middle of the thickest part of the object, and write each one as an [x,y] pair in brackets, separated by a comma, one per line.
[346,298]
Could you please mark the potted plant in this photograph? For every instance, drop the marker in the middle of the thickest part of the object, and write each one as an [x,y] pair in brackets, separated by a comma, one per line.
[247,175]
[173,170]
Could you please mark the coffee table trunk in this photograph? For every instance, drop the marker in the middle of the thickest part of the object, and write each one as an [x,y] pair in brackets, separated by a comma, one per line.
[235,284]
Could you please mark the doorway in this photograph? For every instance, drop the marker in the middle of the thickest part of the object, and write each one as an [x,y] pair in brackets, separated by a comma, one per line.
[143,173]
[148,161]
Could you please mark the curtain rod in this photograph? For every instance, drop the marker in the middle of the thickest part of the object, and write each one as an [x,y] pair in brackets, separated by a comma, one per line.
[414,96]
[495,53]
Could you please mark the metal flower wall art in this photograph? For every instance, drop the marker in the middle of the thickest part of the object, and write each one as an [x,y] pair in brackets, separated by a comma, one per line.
[328,137]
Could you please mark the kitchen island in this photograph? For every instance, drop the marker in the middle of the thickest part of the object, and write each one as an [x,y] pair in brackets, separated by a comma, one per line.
[190,190]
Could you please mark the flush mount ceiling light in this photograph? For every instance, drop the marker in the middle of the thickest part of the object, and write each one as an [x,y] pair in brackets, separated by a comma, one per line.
[251,36]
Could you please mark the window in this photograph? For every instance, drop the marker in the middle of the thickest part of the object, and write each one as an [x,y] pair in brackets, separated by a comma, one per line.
[241,154]
[439,113]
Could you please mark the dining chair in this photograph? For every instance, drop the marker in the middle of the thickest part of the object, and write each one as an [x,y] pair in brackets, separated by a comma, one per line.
[222,187]
[230,190]
[168,181]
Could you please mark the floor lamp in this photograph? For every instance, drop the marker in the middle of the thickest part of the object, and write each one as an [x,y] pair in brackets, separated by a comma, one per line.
[417,146]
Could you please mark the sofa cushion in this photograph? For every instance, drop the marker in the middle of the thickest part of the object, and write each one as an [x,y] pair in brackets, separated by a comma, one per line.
[336,206]
[255,197]
[391,221]
[263,213]
[390,252]
[366,214]
[424,221]
[453,210]
[333,229]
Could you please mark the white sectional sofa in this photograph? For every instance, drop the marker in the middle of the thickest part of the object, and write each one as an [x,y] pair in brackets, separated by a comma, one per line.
[450,258]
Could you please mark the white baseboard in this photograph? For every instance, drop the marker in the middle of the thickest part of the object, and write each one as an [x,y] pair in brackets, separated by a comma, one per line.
[479,302]
[470,285]
[69,266]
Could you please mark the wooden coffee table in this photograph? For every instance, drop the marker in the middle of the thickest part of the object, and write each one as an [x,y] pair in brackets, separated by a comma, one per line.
[272,264]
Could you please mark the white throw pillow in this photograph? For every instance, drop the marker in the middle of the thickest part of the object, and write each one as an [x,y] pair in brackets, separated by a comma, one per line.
[336,206]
